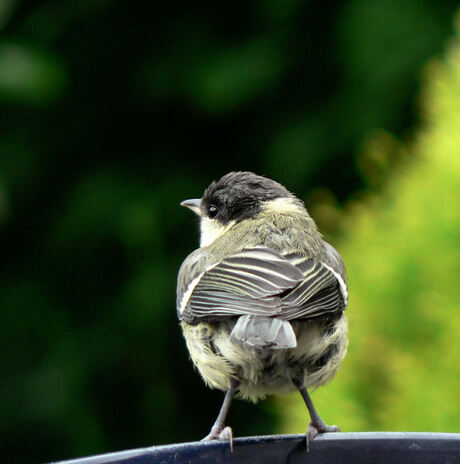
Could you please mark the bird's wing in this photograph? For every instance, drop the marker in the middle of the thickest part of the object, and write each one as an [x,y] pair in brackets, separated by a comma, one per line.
[323,289]
[245,283]
[260,281]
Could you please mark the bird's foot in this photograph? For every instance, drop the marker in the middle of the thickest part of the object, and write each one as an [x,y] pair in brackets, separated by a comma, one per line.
[319,427]
[220,433]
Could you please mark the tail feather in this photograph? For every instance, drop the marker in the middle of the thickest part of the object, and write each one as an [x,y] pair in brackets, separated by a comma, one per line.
[263,332]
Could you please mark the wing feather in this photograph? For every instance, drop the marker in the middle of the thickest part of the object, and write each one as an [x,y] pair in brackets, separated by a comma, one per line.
[262,282]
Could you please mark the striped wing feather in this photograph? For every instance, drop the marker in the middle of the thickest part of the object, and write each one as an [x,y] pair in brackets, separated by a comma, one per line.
[246,283]
[261,282]
[319,292]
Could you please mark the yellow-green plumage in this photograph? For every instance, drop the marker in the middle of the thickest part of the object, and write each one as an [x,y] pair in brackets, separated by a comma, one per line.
[265,371]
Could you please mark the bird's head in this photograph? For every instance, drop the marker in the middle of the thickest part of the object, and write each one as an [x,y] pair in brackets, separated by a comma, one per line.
[236,197]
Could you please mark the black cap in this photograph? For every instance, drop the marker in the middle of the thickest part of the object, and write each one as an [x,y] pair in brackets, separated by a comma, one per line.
[240,195]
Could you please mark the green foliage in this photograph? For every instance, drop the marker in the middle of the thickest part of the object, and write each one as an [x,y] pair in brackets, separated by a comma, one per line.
[402,250]
[29,76]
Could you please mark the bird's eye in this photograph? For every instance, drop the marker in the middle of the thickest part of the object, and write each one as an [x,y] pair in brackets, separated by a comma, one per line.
[212,211]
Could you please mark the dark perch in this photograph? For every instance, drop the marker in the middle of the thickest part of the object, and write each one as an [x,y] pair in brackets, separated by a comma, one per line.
[343,448]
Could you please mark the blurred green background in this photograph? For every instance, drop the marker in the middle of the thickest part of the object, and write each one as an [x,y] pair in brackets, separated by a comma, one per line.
[113,112]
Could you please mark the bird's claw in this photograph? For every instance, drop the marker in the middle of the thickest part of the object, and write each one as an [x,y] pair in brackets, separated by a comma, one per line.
[225,433]
[314,429]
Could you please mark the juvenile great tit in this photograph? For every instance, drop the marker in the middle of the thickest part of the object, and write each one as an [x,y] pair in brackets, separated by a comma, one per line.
[261,302]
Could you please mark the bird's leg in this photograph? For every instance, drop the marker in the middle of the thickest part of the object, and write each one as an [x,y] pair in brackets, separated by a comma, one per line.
[218,430]
[316,424]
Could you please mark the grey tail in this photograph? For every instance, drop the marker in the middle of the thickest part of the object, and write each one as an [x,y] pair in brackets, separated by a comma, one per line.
[263,332]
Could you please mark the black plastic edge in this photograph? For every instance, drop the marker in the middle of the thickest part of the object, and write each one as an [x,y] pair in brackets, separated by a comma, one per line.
[436,447]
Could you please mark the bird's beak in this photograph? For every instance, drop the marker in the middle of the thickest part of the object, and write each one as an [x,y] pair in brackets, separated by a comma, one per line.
[194,205]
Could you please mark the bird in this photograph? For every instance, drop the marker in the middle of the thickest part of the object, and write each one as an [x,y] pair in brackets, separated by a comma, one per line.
[261,302]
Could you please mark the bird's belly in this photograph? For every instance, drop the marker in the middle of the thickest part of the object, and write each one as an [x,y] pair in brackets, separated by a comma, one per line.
[317,357]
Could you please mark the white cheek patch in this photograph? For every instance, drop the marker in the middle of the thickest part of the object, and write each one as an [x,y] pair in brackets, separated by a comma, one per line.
[211,230]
